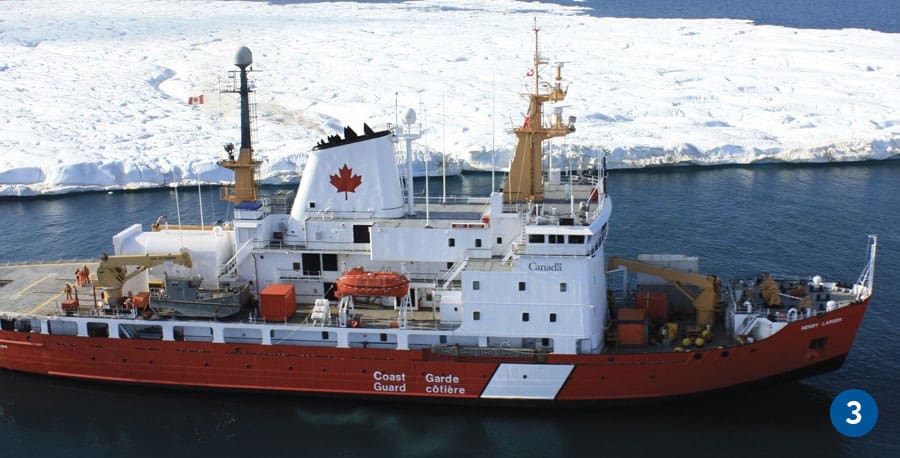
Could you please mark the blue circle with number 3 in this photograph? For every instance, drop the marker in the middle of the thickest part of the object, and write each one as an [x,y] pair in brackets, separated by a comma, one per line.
[854,413]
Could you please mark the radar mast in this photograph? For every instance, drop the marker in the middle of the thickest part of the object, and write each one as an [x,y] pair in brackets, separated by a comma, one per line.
[525,180]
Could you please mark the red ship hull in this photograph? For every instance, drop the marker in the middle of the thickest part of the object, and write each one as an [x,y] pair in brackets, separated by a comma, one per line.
[426,375]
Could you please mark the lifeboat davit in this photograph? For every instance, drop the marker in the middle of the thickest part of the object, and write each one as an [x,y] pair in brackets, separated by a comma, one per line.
[358,282]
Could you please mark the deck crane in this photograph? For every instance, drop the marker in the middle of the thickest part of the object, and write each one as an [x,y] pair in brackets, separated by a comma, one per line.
[704,302]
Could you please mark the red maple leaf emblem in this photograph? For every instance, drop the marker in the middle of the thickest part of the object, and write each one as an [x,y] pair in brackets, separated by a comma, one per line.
[345,182]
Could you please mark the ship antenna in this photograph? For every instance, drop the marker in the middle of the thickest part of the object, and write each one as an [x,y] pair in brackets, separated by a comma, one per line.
[427,177]
[178,212]
[443,150]
[244,167]
[493,127]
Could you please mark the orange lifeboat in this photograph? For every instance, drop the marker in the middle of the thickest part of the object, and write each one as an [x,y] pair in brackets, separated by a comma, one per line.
[358,282]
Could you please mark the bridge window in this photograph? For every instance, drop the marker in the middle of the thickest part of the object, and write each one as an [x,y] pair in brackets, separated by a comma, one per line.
[329,262]
[535,238]
[312,263]
[576,239]
[557,238]
[361,233]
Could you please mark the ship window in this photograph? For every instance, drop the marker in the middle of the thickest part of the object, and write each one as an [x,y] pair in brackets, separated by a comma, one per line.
[563,287]
[383,337]
[499,240]
[443,339]
[576,239]
[521,286]
[361,233]
[242,335]
[449,265]
[7,325]
[451,242]
[63,328]
[553,318]
[192,333]
[329,262]
[312,264]
[476,315]
[476,285]
[535,238]
[525,316]
[98,330]
[140,331]
[312,204]
[557,238]
[477,243]
[296,266]
[545,342]
[324,335]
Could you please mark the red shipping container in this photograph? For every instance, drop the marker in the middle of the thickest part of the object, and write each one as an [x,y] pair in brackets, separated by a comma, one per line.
[655,302]
[635,314]
[277,302]
[632,333]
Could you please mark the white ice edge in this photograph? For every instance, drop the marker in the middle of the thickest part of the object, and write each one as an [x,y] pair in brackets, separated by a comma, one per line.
[95,94]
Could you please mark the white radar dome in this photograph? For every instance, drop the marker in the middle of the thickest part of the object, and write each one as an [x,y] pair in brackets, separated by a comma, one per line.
[243,57]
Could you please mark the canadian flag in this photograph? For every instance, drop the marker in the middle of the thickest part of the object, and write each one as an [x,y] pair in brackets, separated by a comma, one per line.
[198,100]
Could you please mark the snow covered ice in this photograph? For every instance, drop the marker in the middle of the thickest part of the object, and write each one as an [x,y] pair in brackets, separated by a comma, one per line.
[95,93]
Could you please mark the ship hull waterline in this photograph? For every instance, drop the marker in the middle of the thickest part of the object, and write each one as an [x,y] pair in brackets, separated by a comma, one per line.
[423,375]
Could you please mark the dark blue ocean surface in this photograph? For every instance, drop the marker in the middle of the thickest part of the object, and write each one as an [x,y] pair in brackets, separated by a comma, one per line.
[880,15]
[740,220]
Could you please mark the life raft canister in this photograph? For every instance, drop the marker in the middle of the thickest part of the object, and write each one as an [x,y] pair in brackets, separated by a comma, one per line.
[358,282]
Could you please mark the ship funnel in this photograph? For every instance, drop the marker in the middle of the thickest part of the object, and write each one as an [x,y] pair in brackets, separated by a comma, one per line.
[243,58]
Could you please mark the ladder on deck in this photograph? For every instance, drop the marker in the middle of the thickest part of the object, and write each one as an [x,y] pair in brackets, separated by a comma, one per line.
[748,325]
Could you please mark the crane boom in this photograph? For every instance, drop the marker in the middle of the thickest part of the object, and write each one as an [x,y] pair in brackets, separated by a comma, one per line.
[112,272]
[704,302]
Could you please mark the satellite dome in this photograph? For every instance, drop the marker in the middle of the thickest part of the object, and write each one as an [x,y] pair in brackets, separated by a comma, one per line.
[243,57]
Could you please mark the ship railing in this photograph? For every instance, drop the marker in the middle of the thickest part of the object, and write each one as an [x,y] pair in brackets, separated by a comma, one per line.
[457,351]
[450,276]
[230,266]
[863,286]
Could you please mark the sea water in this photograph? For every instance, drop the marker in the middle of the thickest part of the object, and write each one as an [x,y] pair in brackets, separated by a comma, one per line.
[805,219]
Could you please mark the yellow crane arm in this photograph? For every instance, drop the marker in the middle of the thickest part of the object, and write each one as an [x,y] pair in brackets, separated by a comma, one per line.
[704,302]
[112,272]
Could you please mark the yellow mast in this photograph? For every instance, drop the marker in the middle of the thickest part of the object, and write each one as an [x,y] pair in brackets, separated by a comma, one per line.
[525,180]
[244,167]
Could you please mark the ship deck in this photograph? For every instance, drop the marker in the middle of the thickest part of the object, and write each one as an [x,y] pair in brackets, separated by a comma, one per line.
[39,288]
